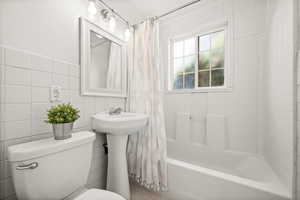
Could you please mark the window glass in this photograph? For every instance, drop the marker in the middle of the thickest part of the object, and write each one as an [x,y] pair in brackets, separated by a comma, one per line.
[189,80]
[178,49]
[217,58]
[203,56]
[189,47]
[217,40]
[203,62]
[178,81]
[204,43]
[203,79]
[217,77]
[178,65]
[189,64]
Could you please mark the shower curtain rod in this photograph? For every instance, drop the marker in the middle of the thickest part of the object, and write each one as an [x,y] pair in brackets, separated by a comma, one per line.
[173,10]
[156,17]
[176,9]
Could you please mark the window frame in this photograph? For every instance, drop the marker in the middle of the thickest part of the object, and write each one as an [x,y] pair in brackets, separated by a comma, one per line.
[227,87]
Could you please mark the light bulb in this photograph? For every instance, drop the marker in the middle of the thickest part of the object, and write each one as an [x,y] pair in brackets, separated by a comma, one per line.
[127,34]
[112,23]
[92,8]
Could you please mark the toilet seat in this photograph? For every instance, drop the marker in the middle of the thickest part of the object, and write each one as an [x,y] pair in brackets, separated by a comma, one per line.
[97,194]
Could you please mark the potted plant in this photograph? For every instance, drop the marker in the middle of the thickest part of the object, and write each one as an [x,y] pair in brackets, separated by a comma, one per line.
[62,118]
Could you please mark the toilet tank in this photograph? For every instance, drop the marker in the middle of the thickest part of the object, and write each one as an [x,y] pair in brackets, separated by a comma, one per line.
[51,169]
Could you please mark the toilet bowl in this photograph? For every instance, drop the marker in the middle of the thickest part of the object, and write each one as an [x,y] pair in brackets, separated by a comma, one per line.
[51,169]
[96,194]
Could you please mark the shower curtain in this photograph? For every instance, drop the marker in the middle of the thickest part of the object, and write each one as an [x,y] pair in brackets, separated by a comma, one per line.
[146,151]
[114,72]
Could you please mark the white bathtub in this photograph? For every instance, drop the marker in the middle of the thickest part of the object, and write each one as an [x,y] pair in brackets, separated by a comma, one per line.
[226,178]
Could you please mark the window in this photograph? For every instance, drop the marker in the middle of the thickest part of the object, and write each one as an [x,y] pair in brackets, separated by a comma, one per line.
[198,62]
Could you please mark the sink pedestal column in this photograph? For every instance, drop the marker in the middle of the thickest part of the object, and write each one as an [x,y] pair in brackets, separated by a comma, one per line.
[117,173]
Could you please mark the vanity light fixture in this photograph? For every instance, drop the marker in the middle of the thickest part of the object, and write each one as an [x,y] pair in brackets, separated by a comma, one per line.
[105,14]
[112,23]
[127,33]
[109,16]
[92,9]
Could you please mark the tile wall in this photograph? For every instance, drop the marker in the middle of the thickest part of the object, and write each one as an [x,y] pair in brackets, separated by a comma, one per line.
[25,79]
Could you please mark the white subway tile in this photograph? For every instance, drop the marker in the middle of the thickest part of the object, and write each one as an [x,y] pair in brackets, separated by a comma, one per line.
[81,122]
[16,129]
[2,137]
[79,105]
[16,58]
[39,110]
[298,111]
[102,104]
[1,55]
[40,94]
[75,97]
[61,80]
[2,75]
[42,136]
[42,79]
[39,126]
[90,106]
[41,63]
[298,93]
[75,70]
[65,96]
[84,128]
[61,68]
[17,76]
[16,94]
[298,72]
[2,93]
[13,112]
[115,102]
[74,83]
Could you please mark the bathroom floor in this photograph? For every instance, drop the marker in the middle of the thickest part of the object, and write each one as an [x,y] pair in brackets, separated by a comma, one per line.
[140,193]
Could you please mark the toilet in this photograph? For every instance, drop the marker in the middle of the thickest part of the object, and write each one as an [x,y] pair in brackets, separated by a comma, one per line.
[51,169]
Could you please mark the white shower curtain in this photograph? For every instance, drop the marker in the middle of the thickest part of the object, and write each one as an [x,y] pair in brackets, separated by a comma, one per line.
[146,150]
[114,72]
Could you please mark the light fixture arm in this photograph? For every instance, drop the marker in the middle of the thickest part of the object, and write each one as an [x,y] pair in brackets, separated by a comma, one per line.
[113,11]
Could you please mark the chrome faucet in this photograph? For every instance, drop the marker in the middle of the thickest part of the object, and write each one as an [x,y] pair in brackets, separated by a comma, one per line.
[114,110]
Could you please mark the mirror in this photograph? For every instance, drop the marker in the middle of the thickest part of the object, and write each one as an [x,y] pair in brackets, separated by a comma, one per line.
[105,70]
[102,62]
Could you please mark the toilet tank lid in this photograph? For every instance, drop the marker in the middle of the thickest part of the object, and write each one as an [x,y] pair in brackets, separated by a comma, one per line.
[30,150]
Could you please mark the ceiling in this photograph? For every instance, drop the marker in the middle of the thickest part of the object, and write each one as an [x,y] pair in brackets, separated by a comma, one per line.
[136,11]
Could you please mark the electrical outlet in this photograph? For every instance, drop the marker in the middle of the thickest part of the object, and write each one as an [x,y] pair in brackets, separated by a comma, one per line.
[55,93]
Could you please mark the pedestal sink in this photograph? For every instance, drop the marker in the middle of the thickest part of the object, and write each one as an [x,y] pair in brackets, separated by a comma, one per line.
[117,128]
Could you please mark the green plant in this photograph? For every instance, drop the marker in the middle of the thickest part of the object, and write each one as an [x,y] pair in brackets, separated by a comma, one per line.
[62,113]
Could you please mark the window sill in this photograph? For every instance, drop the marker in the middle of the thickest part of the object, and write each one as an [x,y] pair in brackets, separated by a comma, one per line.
[202,90]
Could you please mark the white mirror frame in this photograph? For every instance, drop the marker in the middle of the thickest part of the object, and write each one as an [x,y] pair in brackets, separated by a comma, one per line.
[85,27]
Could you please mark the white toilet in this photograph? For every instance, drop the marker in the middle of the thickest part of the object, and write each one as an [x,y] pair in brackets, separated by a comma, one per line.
[55,169]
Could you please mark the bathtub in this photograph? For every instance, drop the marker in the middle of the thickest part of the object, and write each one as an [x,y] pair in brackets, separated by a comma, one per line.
[228,176]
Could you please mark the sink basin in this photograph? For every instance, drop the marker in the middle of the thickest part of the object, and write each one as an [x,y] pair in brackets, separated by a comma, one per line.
[124,123]
[117,128]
